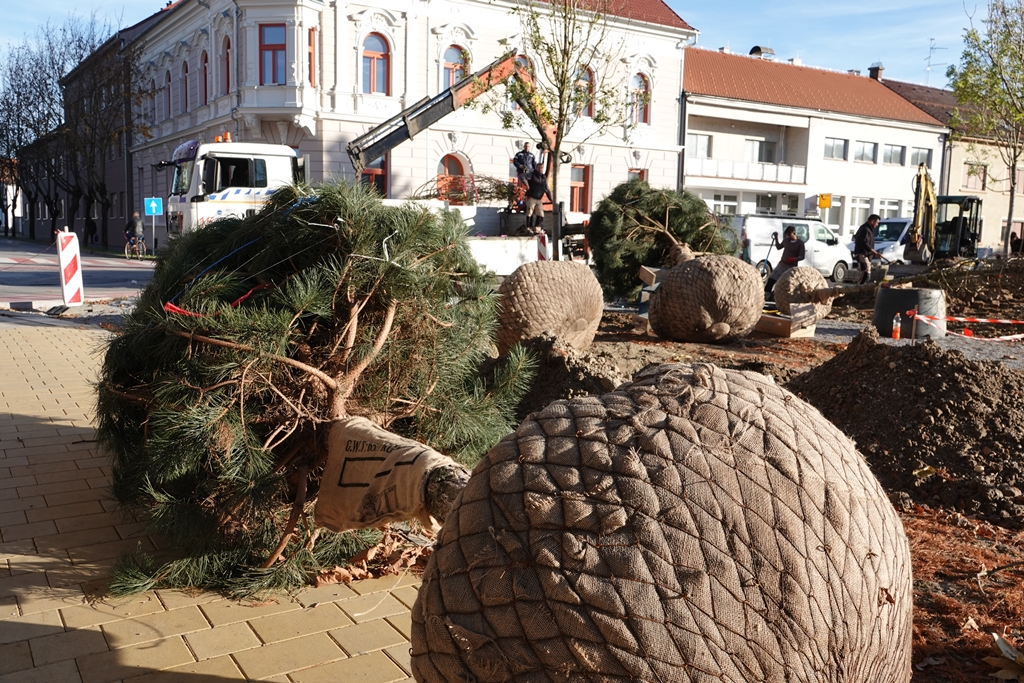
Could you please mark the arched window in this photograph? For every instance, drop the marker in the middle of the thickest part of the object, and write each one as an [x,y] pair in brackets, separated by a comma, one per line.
[167,95]
[376,65]
[449,165]
[204,84]
[454,66]
[183,87]
[453,185]
[640,99]
[226,63]
[585,86]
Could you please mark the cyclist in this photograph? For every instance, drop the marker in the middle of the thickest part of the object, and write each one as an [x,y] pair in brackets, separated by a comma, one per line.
[133,232]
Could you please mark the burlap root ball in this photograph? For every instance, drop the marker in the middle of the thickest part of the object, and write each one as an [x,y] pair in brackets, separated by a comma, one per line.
[709,298]
[793,287]
[698,524]
[561,297]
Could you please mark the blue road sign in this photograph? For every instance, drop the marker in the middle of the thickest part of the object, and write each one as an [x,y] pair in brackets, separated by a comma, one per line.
[154,206]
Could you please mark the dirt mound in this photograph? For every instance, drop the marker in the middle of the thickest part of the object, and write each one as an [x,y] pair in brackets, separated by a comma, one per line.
[935,427]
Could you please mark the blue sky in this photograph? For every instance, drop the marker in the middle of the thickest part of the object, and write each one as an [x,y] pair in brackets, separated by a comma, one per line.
[836,34]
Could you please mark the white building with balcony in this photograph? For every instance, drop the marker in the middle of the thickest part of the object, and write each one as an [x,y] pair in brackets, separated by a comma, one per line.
[780,138]
[314,74]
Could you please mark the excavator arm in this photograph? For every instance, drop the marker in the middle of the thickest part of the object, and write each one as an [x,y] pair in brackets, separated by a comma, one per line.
[920,246]
[381,139]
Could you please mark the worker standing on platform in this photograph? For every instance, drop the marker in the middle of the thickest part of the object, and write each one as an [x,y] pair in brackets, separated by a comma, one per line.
[525,164]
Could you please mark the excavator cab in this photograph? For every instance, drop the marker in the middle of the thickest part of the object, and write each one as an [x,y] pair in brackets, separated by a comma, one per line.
[957,227]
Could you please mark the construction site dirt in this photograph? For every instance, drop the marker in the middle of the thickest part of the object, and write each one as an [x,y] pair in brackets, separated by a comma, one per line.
[943,432]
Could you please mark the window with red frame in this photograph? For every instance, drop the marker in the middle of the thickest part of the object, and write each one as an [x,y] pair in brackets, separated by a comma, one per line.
[205,84]
[454,66]
[227,66]
[311,53]
[640,99]
[272,54]
[183,87]
[636,174]
[375,175]
[167,95]
[585,83]
[579,189]
[376,65]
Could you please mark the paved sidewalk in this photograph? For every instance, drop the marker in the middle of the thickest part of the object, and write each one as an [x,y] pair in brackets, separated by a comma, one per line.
[60,538]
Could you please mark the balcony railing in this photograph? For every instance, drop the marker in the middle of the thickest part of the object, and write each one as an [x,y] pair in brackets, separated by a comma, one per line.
[745,170]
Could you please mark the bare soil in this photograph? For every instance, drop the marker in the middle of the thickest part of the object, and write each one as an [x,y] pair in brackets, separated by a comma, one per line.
[945,436]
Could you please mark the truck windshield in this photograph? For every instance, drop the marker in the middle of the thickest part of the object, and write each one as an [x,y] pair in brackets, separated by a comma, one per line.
[182,177]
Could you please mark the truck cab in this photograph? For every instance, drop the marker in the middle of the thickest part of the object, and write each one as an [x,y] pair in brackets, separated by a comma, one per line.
[218,179]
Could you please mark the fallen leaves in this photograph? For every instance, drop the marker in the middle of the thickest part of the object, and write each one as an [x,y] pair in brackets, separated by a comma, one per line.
[396,553]
[1010,662]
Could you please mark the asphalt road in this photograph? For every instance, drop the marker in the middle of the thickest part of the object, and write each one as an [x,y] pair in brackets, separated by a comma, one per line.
[29,271]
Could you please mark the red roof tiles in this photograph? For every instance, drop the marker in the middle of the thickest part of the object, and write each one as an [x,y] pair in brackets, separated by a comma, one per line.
[738,77]
[650,11]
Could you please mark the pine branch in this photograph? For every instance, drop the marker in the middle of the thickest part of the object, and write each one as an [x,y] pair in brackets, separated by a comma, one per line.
[289,530]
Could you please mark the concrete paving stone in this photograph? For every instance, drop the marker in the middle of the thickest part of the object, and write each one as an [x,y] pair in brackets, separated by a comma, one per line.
[406,595]
[58,439]
[101,481]
[9,607]
[15,482]
[22,583]
[402,623]
[60,512]
[30,626]
[230,612]
[68,475]
[362,638]
[90,521]
[59,456]
[20,532]
[79,573]
[8,494]
[15,657]
[287,656]
[103,551]
[402,657]
[36,430]
[332,592]
[132,529]
[5,472]
[154,626]
[223,640]
[41,562]
[43,451]
[102,612]
[375,667]
[77,497]
[173,599]
[373,606]
[23,547]
[76,538]
[295,624]
[131,662]
[15,504]
[109,504]
[215,670]
[60,672]
[52,489]
[384,583]
[67,645]
[13,518]
[81,432]
[50,598]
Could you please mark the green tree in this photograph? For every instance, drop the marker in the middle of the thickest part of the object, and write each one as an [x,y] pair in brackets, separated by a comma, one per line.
[989,86]
[217,396]
[638,226]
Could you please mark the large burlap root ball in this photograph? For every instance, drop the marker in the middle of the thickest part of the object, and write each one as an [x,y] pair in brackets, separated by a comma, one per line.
[561,297]
[795,285]
[699,524]
[710,298]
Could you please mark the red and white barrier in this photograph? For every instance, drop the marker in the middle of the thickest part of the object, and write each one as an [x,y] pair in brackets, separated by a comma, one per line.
[542,247]
[927,320]
[70,268]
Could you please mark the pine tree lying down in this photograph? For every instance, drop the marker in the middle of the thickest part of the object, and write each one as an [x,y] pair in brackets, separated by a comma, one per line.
[218,396]
[698,524]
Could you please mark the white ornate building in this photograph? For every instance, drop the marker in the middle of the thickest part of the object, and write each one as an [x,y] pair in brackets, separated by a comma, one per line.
[315,75]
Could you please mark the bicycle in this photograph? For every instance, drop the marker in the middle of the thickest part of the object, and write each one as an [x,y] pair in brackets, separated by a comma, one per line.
[135,248]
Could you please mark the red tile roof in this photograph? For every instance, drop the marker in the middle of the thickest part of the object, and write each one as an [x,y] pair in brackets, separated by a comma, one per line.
[650,11]
[738,77]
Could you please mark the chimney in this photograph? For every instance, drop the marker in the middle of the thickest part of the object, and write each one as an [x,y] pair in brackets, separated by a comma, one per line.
[875,71]
[853,72]
[724,50]
[762,52]
[796,61]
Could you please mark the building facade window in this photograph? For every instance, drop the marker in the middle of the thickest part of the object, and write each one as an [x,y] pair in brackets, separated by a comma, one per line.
[725,204]
[585,85]
[226,66]
[204,85]
[974,177]
[860,209]
[698,146]
[833,214]
[865,151]
[640,99]
[272,54]
[376,65]
[636,174]
[449,165]
[183,89]
[764,203]
[760,151]
[311,57]
[889,208]
[375,175]
[455,66]
[579,189]
[835,148]
[920,155]
[893,154]
[167,95]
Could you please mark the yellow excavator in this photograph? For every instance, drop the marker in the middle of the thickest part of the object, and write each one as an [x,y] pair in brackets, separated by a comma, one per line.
[945,226]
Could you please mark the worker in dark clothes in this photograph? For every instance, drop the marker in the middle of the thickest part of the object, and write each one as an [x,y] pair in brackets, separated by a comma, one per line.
[793,252]
[864,246]
[536,190]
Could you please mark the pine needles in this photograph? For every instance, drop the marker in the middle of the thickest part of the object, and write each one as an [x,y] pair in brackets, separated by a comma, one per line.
[216,397]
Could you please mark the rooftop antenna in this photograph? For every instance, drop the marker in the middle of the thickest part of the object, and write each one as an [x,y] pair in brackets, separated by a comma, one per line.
[932,48]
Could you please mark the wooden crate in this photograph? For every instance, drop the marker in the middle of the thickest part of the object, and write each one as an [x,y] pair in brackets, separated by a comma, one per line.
[800,324]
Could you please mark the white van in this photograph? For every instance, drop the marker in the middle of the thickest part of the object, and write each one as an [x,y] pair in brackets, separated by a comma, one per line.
[890,237]
[824,253]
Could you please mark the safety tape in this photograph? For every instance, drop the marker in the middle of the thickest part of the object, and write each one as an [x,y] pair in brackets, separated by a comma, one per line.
[927,320]
[994,321]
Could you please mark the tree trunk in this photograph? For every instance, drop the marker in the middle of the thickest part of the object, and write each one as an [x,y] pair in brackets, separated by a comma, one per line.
[1009,217]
